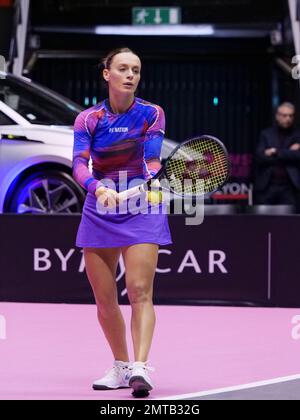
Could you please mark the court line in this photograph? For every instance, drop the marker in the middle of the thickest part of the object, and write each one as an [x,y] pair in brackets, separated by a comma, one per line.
[233,388]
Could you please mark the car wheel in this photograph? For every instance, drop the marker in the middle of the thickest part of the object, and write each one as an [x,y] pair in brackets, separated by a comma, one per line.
[47,192]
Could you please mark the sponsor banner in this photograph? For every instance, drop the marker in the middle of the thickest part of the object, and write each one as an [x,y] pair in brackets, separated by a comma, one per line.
[234,191]
[230,259]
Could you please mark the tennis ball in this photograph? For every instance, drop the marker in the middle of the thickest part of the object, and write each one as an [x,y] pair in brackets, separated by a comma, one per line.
[154,197]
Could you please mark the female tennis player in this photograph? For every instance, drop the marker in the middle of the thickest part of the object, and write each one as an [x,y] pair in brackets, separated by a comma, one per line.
[123,135]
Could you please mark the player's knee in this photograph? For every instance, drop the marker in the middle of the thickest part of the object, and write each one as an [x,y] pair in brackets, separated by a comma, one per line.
[106,305]
[139,293]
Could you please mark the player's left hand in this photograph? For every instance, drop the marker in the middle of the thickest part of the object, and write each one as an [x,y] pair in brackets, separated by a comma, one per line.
[154,195]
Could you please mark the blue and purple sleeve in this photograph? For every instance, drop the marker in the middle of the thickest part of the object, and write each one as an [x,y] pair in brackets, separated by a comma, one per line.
[81,154]
[154,138]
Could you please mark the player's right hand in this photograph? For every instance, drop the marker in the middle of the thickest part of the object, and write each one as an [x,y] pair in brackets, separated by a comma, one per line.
[107,197]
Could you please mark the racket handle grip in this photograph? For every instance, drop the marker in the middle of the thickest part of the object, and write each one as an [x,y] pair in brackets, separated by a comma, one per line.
[132,192]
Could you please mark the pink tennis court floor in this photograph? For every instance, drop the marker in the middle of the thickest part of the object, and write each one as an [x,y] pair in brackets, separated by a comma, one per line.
[51,351]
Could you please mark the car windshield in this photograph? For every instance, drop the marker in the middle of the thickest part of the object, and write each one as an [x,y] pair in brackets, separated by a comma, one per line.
[36,104]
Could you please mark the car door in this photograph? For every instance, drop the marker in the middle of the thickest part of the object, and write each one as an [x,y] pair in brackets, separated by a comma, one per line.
[11,133]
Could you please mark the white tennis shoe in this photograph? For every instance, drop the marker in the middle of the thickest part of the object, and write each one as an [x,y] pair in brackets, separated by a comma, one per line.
[115,378]
[140,380]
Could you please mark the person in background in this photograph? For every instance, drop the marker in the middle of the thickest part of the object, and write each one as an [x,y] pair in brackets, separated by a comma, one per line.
[278,158]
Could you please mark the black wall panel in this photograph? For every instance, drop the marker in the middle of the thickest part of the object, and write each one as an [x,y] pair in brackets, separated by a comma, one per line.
[229,97]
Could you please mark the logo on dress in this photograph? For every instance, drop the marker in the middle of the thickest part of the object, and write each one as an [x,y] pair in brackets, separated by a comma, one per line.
[118,130]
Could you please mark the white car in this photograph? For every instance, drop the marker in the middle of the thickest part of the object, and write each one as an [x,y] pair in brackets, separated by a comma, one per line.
[36,145]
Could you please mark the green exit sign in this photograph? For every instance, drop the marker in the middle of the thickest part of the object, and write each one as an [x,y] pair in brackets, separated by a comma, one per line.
[156,15]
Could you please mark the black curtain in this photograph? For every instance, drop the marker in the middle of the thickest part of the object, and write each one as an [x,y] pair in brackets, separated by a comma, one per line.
[229,97]
[6,23]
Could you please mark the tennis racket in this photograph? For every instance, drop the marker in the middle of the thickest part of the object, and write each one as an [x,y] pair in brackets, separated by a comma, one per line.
[196,167]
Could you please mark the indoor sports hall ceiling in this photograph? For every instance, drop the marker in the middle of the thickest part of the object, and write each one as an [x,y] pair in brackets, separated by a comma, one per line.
[75,12]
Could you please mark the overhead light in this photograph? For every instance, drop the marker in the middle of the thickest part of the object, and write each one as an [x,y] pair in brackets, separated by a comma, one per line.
[156,30]
[162,30]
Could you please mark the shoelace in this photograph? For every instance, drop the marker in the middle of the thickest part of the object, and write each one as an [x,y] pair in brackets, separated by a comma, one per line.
[114,371]
[147,368]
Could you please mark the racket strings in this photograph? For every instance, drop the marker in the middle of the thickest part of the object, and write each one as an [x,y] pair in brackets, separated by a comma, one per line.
[198,167]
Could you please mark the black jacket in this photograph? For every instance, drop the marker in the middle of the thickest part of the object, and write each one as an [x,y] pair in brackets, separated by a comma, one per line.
[265,164]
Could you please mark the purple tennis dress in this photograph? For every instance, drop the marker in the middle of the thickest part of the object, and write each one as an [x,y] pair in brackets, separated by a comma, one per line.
[124,148]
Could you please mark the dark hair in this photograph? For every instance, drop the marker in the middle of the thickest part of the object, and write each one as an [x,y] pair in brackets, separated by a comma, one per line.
[106,61]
